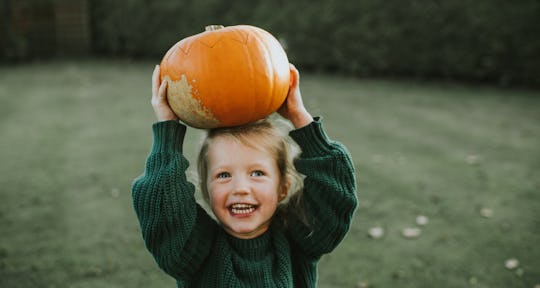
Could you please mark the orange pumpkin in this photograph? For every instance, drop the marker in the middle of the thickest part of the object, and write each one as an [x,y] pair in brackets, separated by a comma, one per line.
[226,76]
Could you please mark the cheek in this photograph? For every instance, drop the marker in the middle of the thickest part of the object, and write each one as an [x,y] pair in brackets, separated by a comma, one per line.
[272,202]
[273,195]
[216,194]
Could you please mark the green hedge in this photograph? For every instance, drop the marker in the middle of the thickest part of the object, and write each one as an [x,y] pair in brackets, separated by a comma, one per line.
[477,40]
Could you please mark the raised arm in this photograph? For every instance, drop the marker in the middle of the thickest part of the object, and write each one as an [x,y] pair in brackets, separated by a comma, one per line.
[319,220]
[320,216]
[176,230]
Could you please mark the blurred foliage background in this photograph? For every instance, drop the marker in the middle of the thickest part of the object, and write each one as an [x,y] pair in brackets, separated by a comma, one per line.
[482,40]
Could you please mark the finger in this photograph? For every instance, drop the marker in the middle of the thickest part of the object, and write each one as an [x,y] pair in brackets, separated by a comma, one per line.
[162,93]
[155,81]
[291,66]
[295,75]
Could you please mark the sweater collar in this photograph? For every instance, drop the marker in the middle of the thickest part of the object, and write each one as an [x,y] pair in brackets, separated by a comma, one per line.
[251,248]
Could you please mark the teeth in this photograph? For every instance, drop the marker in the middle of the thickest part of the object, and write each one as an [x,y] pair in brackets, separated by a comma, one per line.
[239,208]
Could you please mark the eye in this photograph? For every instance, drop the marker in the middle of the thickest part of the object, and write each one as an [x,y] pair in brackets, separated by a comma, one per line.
[223,175]
[257,173]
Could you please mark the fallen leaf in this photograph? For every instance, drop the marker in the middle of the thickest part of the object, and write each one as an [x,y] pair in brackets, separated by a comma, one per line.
[511,263]
[411,232]
[422,220]
[362,284]
[486,212]
[376,232]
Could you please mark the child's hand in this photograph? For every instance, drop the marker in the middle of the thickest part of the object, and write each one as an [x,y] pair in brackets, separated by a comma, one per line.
[159,98]
[293,107]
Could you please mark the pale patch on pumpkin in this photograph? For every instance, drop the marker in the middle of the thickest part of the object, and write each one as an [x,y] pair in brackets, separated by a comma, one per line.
[189,109]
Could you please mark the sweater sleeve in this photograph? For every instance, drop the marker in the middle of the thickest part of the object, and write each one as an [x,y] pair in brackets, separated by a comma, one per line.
[176,230]
[319,219]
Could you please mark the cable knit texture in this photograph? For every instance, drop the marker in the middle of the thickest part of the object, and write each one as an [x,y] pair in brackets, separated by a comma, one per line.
[194,249]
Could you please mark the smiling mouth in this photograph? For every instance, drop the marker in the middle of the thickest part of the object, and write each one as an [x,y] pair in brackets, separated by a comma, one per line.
[242,208]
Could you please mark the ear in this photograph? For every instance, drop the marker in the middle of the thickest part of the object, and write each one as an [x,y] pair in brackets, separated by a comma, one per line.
[284,191]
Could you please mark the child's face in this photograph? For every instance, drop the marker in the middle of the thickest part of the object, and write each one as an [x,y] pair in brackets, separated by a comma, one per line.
[243,185]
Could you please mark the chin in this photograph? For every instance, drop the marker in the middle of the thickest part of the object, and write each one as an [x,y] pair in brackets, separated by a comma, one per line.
[246,233]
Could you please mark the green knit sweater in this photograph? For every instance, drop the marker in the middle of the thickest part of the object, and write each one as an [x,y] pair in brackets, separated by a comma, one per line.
[194,249]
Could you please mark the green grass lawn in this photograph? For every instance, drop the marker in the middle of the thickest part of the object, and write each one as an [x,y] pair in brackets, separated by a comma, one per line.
[75,134]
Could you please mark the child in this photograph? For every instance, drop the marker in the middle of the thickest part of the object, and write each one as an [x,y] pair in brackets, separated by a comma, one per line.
[257,240]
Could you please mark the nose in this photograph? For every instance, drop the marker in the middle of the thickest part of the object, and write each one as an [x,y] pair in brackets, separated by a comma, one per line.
[241,186]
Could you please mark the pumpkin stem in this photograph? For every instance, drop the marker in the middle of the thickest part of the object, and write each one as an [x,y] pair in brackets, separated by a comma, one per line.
[213,27]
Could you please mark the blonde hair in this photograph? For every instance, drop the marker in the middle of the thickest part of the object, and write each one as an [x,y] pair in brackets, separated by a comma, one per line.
[262,135]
